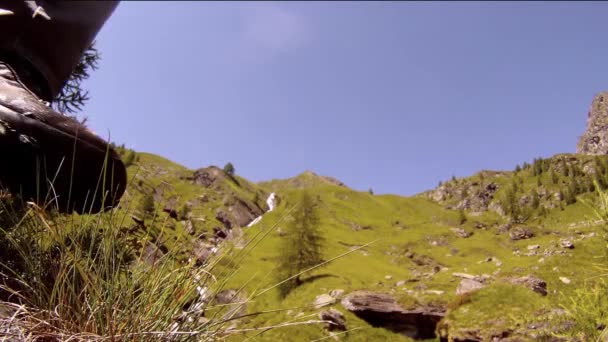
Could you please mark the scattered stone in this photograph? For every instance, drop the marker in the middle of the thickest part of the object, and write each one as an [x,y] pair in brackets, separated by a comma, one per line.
[461,233]
[435,292]
[235,300]
[323,300]
[565,280]
[400,283]
[566,244]
[138,220]
[504,228]
[338,293]
[201,252]
[520,233]
[480,225]
[464,275]
[223,218]
[388,277]
[219,233]
[532,247]
[335,320]
[467,286]
[535,284]
[171,211]
[189,227]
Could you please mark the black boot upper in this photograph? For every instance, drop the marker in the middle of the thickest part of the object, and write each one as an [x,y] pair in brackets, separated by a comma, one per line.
[50,158]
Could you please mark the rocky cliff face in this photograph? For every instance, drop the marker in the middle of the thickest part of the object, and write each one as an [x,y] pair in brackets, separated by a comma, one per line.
[595,139]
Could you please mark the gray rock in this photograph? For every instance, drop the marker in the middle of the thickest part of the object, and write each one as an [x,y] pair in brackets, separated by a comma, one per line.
[335,320]
[382,310]
[461,233]
[535,284]
[521,233]
[337,293]
[323,300]
[594,140]
[566,244]
[467,286]
[234,302]
[504,228]
[464,275]
[189,227]
[223,218]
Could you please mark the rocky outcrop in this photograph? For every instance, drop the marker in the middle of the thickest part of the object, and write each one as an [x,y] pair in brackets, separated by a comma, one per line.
[238,213]
[207,176]
[242,213]
[382,310]
[221,216]
[595,139]
[468,194]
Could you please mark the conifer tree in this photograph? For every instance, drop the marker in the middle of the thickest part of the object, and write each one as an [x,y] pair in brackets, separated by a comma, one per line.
[229,169]
[301,246]
[146,206]
[535,200]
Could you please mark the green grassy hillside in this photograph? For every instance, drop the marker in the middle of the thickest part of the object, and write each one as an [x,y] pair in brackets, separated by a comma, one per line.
[489,230]
[413,247]
[416,244]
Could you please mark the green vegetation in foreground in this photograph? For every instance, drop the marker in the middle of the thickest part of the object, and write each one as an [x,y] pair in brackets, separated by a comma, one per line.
[79,278]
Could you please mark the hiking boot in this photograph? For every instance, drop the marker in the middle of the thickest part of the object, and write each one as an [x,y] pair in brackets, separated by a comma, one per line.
[50,158]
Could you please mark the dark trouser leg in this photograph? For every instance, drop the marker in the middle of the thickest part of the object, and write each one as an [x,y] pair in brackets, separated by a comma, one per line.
[51,159]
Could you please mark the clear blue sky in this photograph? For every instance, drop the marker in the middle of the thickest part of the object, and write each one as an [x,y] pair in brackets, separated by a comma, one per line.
[395,96]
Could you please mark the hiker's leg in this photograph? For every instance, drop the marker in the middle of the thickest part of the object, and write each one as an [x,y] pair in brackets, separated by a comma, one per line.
[44,155]
[51,158]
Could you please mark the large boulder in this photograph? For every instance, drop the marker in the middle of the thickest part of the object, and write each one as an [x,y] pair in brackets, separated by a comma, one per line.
[382,310]
[595,139]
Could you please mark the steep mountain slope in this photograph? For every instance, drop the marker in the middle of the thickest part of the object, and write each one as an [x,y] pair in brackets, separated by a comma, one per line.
[193,210]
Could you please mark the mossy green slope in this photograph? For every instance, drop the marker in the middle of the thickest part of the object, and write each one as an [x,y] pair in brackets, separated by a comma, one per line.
[414,245]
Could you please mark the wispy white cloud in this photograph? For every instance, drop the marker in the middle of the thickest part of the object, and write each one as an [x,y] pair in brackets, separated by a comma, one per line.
[269,30]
